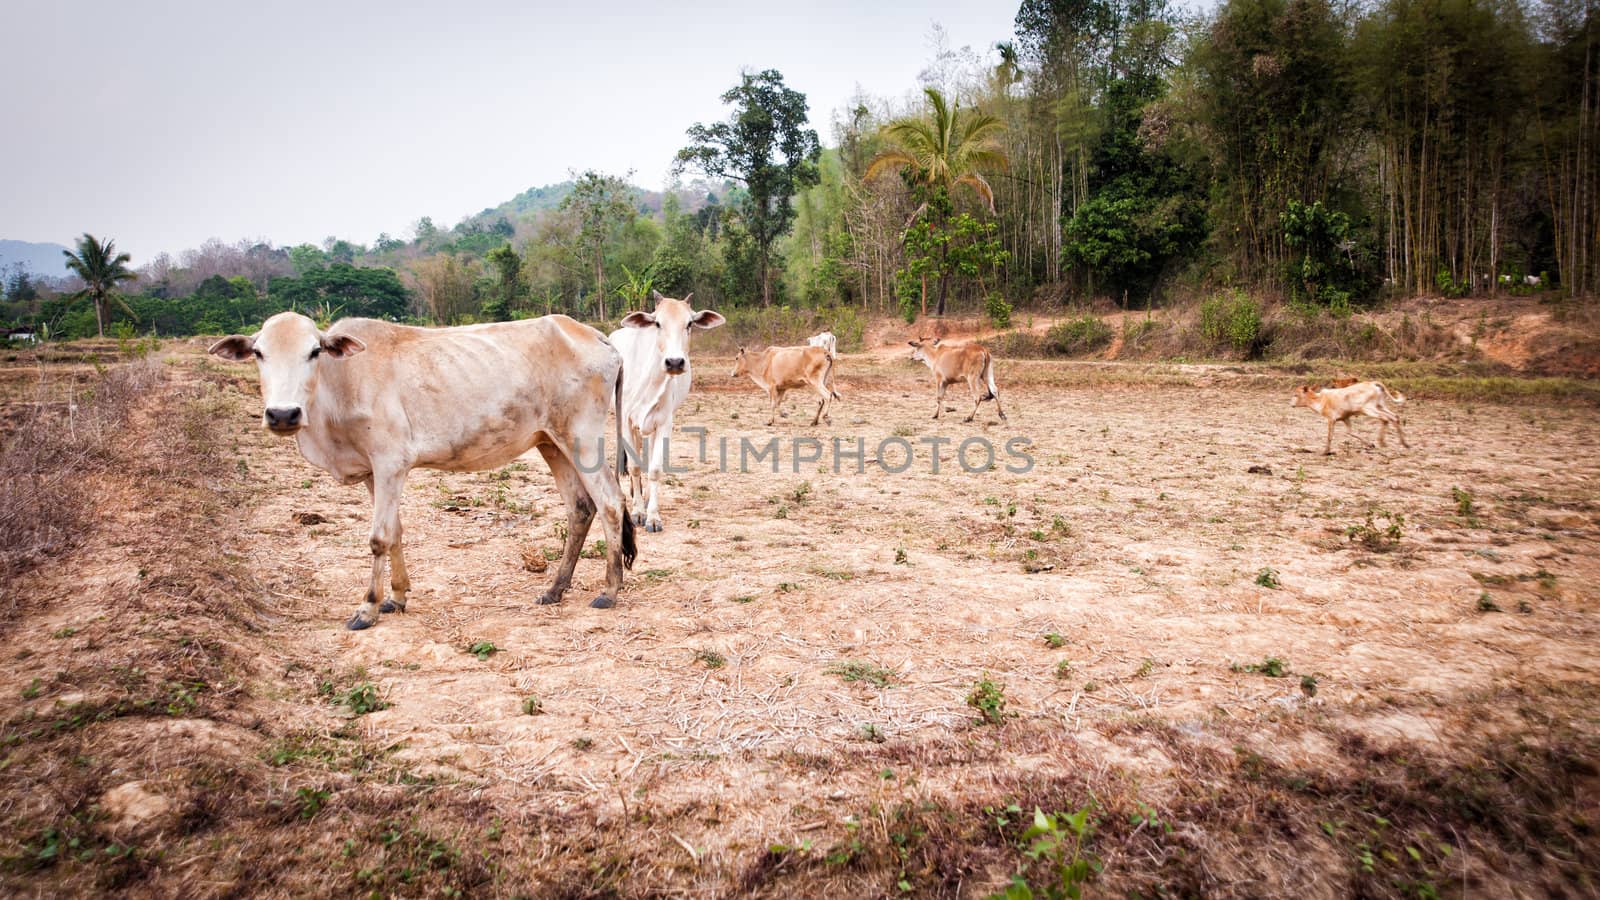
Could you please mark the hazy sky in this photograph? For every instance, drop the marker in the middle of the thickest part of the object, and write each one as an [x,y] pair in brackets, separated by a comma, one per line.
[163,124]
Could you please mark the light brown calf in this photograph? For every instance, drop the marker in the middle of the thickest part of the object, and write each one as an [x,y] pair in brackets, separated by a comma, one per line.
[1366,398]
[777,370]
[952,363]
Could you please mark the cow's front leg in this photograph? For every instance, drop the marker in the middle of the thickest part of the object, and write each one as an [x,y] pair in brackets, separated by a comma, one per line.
[658,462]
[1327,448]
[580,512]
[938,400]
[399,579]
[977,398]
[776,397]
[386,488]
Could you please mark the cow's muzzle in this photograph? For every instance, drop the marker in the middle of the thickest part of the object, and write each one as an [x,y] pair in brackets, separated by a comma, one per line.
[283,420]
[676,365]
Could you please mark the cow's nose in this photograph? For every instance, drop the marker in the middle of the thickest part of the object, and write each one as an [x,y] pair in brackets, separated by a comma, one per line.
[675,364]
[284,417]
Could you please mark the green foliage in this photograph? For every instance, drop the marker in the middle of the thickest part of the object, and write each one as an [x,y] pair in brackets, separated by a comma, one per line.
[1464,507]
[1377,537]
[362,698]
[1085,334]
[1323,268]
[1268,578]
[482,649]
[1272,667]
[711,658]
[851,670]
[1058,842]
[101,268]
[766,147]
[989,699]
[997,309]
[1234,319]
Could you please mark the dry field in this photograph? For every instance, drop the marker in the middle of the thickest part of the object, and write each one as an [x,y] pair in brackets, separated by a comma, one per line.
[1260,671]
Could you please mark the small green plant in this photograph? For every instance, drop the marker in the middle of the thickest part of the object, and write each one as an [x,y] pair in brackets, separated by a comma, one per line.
[363,698]
[310,801]
[1308,685]
[801,492]
[871,732]
[1268,578]
[853,670]
[1086,334]
[989,699]
[532,706]
[483,649]
[1272,667]
[744,599]
[1375,537]
[1145,668]
[900,557]
[1486,603]
[782,513]
[1064,669]
[1464,507]
[582,744]
[711,658]
[66,632]
[1055,640]
[34,689]
[999,310]
[1059,842]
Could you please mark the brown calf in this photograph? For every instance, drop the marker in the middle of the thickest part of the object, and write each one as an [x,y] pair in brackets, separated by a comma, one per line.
[777,370]
[952,363]
[1366,398]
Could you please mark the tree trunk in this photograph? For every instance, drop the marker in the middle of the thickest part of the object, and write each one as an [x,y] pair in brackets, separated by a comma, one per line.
[100,316]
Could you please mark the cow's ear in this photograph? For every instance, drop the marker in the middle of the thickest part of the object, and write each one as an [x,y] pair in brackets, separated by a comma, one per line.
[915,343]
[689,296]
[706,319]
[236,347]
[656,295]
[342,345]
[639,319]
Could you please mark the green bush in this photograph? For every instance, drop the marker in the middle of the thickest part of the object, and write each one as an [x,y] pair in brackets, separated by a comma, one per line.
[1233,319]
[1082,335]
[998,309]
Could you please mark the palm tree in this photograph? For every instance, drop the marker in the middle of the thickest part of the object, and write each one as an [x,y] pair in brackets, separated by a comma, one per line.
[101,269]
[937,155]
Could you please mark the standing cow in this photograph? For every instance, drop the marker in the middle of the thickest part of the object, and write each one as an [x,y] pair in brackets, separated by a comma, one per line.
[953,363]
[369,401]
[778,370]
[655,358]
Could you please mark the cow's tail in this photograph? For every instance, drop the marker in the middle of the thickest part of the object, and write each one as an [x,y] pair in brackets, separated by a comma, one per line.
[1396,397]
[827,379]
[988,375]
[630,548]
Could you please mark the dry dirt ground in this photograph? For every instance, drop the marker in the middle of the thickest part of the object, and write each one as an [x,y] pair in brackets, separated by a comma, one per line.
[1260,669]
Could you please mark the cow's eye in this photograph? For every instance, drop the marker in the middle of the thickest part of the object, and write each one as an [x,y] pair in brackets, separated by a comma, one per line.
[316,352]
[656,323]
[257,353]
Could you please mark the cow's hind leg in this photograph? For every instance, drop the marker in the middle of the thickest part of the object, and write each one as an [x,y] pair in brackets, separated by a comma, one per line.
[399,579]
[386,488]
[636,476]
[580,512]
[975,385]
[620,547]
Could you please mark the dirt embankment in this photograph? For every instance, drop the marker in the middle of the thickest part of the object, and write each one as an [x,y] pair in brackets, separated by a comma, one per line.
[1258,671]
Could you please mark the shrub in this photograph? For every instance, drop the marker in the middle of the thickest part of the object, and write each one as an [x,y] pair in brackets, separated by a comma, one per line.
[998,309]
[1233,319]
[1082,335]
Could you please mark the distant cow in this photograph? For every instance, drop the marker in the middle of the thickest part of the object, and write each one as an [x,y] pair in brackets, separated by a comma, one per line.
[369,401]
[826,341]
[777,370]
[954,363]
[1366,398]
[655,363]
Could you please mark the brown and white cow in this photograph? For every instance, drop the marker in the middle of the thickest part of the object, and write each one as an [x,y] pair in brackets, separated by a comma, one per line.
[778,370]
[655,365]
[954,363]
[1365,398]
[369,401]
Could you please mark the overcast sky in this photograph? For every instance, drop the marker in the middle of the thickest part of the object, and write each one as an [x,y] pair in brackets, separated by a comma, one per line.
[164,124]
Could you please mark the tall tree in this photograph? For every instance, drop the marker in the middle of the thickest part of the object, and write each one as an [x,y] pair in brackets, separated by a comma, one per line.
[766,147]
[601,203]
[102,269]
[937,153]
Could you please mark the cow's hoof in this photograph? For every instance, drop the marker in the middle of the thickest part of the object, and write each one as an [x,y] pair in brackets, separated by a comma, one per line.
[653,527]
[391,606]
[603,601]
[638,518]
[357,623]
[549,597]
